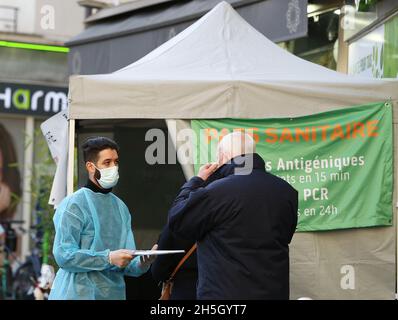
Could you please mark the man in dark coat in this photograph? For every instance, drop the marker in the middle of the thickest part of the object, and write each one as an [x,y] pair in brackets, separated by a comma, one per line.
[243,219]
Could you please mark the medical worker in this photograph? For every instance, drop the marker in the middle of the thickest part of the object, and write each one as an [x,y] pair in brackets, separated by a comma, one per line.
[94,242]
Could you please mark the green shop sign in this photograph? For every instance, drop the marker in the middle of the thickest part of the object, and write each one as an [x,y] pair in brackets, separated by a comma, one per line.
[340,162]
[32,99]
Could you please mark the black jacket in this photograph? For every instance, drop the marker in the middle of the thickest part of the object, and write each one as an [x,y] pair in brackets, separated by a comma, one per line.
[243,224]
[184,287]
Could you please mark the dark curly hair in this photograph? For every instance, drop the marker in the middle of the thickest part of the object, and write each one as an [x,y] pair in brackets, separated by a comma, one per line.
[94,145]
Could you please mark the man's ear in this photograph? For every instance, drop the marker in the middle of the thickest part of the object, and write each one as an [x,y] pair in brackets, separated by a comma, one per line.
[223,158]
[90,167]
[219,156]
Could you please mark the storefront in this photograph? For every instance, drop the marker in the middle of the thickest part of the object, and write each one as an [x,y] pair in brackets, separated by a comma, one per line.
[373,49]
[33,87]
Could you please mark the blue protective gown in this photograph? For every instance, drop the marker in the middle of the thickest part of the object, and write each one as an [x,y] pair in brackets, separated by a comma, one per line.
[88,226]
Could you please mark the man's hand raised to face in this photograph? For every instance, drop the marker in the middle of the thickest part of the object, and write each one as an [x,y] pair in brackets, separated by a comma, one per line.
[206,170]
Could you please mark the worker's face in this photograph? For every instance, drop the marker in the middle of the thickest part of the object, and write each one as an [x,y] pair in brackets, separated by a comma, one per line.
[106,158]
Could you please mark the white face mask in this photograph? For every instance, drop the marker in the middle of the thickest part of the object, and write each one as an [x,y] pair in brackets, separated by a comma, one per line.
[109,177]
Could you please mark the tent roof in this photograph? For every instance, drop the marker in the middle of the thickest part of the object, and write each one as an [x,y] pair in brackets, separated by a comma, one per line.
[113,22]
[220,67]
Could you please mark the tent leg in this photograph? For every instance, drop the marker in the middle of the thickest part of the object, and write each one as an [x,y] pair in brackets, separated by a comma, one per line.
[71,157]
[174,126]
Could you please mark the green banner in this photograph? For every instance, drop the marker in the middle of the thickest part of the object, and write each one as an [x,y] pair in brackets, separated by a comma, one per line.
[340,162]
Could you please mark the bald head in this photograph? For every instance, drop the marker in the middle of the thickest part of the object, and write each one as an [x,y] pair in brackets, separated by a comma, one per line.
[234,144]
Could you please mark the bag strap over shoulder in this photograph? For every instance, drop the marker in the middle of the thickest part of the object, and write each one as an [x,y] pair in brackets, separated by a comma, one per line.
[179,265]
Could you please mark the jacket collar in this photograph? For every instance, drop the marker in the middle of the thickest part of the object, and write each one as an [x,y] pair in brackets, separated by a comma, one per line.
[234,164]
[93,187]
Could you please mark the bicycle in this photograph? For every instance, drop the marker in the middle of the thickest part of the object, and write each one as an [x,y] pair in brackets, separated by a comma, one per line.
[8,245]
[33,277]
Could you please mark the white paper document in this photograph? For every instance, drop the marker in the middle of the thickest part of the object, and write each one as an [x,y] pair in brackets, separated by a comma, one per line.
[55,131]
[155,252]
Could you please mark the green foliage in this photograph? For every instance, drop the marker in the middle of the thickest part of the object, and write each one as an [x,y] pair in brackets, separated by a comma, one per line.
[367,5]
[390,56]
[43,171]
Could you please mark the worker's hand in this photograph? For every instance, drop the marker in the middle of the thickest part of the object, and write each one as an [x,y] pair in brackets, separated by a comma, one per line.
[206,170]
[5,196]
[146,261]
[121,258]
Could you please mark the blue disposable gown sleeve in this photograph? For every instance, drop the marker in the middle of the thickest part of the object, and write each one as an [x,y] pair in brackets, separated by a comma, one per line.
[67,253]
[134,268]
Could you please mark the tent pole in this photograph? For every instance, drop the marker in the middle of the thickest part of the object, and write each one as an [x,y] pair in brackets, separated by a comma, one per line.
[173,126]
[71,157]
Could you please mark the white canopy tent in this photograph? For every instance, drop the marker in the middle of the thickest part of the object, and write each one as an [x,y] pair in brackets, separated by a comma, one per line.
[221,67]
